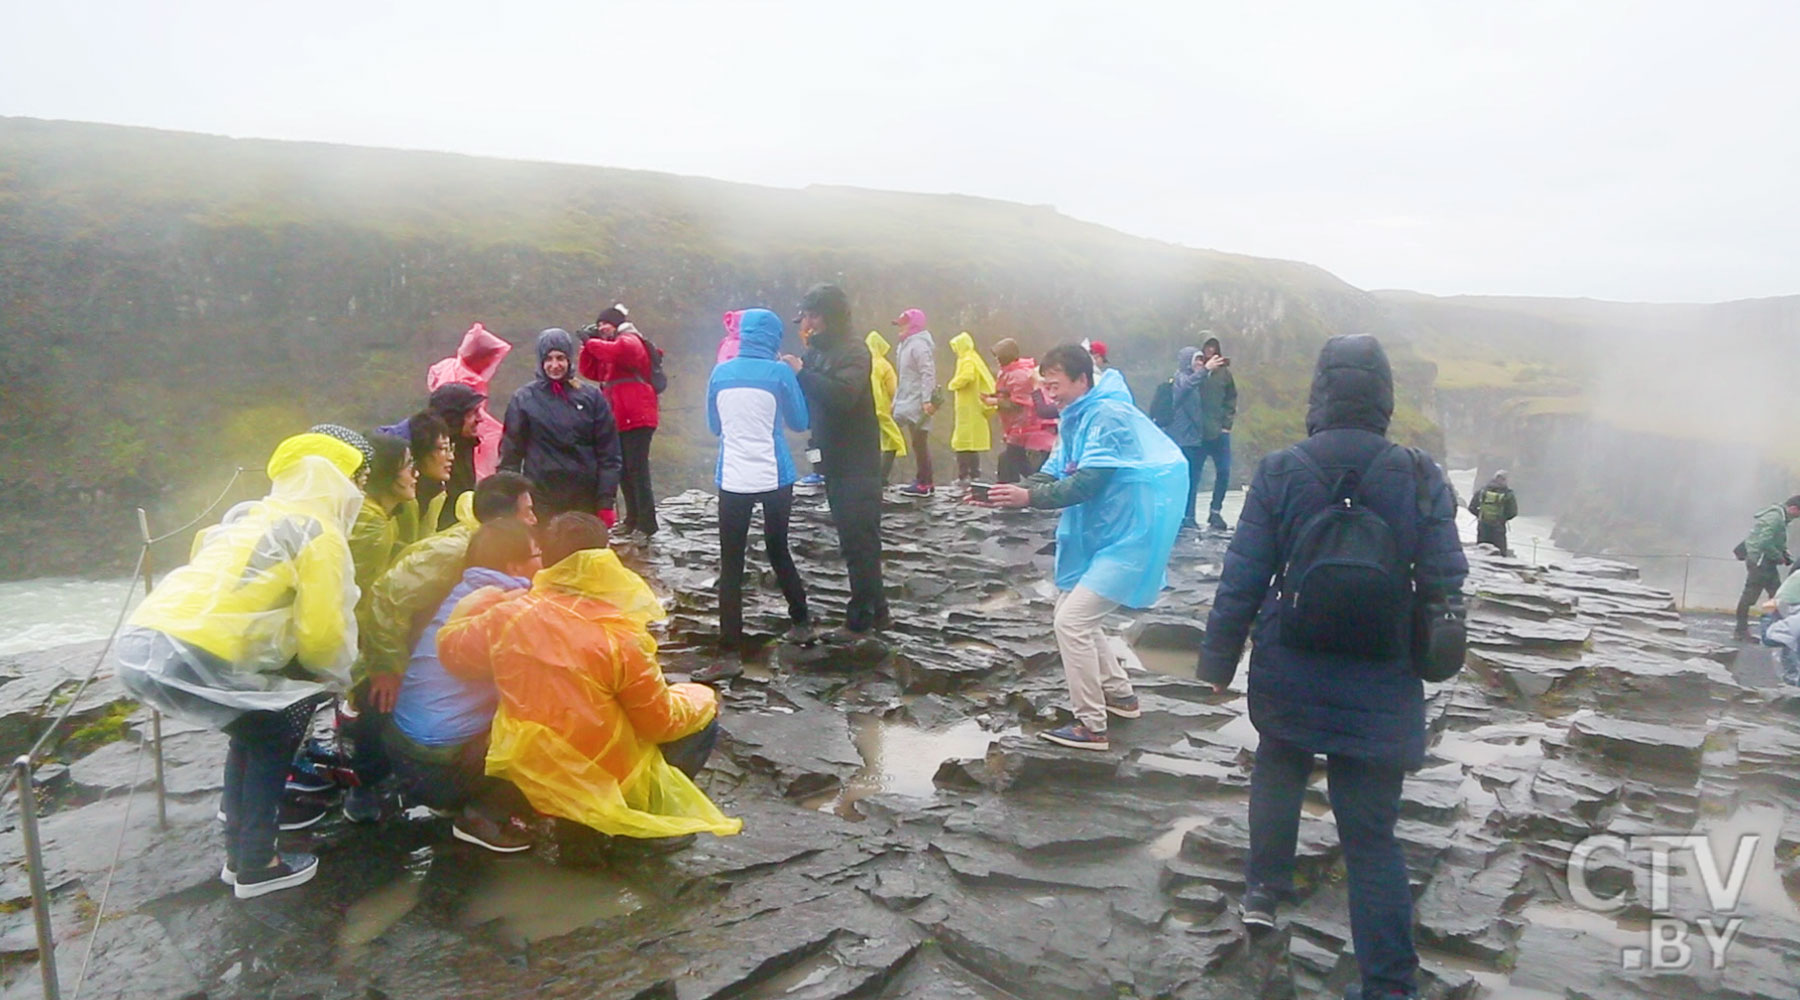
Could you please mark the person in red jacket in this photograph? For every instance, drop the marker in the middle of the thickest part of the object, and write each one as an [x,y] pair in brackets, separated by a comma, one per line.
[618,359]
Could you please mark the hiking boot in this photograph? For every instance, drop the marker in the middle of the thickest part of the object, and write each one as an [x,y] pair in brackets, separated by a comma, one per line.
[502,838]
[1217,523]
[362,804]
[301,811]
[717,672]
[1258,910]
[800,634]
[1078,736]
[1124,708]
[288,871]
[915,490]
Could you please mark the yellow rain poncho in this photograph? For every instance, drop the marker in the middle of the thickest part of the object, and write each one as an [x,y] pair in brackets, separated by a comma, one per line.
[271,584]
[583,703]
[417,580]
[971,382]
[885,380]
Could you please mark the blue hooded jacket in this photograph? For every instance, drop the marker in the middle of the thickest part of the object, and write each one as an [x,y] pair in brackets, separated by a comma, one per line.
[435,707]
[749,400]
[1118,543]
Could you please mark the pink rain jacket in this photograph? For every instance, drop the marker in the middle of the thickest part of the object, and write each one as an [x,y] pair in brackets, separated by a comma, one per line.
[474,365]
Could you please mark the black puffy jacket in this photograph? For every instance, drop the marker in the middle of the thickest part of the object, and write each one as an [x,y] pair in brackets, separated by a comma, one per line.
[841,399]
[562,437]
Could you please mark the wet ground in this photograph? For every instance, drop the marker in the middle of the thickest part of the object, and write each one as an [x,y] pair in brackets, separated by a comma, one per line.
[908,836]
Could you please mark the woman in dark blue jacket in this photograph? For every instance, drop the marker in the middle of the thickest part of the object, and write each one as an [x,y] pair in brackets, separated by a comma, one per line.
[1366,715]
[560,435]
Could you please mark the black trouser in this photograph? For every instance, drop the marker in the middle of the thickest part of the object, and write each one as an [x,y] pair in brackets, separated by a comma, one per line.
[968,465]
[634,480]
[1489,533]
[1759,577]
[256,766]
[368,751]
[688,754]
[921,449]
[450,778]
[735,510]
[1016,463]
[856,510]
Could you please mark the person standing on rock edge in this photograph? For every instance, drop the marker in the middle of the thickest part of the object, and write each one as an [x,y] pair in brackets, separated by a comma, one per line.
[1118,481]
[1218,406]
[560,435]
[973,388]
[752,400]
[884,382]
[1764,552]
[618,359]
[1028,437]
[841,401]
[916,399]
[1187,425]
[1493,506]
[1348,691]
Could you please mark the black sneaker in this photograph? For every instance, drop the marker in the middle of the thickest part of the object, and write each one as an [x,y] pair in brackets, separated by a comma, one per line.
[362,804]
[800,634]
[1217,523]
[288,871]
[1258,910]
[301,811]
[309,776]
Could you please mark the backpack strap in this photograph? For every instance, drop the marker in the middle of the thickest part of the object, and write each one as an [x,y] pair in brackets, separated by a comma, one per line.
[1335,488]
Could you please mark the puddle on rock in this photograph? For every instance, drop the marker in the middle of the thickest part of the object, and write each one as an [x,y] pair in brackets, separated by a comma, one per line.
[1490,744]
[1162,660]
[901,759]
[534,900]
[370,917]
[1764,892]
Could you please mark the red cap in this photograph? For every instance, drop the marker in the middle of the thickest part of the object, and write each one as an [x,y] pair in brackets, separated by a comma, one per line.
[1098,347]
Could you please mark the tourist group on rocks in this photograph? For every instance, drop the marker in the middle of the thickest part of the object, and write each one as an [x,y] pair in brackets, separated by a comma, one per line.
[449,583]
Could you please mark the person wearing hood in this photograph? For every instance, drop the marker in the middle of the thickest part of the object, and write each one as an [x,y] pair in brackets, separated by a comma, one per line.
[617,358]
[586,726]
[728,345]
[835,376]
[473,365]
[392,481]
[1493,506]
[973,389]
[1187,424]
[252,636]
[884,381]
[752,401]
[1028,436]
[560,435]
[916,398]
[1118,482]
[1311,693]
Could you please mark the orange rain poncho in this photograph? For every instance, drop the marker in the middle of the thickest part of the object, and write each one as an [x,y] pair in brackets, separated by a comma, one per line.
[583,704]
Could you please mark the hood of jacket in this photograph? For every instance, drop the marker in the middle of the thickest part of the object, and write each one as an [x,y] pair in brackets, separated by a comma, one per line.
[962,343]
[911,321]
[453,401]
[598,574]
[1184,359]
[878,345]
[1353,387]
[759,334]
[1109,385]
[482,352]
[556,339]
[312,472]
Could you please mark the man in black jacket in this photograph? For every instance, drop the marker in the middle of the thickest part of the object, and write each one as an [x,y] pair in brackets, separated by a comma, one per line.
[835,378]
[560,435]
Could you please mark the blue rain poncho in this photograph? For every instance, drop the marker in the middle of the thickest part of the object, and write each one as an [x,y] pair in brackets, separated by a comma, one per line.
[1118,544]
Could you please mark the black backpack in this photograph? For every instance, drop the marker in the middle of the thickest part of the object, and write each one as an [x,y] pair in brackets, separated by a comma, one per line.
[1162,405]
[1344,580]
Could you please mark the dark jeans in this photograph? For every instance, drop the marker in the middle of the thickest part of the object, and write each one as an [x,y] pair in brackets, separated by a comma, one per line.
[968,465]
[920,443]
[256,766]
[1219,450]
[1365,799]
[688,754]
[1016,463]
[634,480]
[1759,577]
[1491,534]
[449,778]
[735,510]
[856,510]
[366,733]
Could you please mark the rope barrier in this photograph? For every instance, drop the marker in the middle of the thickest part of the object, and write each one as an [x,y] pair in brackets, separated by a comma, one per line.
[111,870]
[203,514]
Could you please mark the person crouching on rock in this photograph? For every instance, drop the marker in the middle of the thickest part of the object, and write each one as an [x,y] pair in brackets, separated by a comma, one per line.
[586,726]
[1332,671]
[1120,483]
[437,737]
[252,636]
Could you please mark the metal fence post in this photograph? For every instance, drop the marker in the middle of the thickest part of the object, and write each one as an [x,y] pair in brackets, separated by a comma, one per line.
[1687,561]
[156,757]
[34,866]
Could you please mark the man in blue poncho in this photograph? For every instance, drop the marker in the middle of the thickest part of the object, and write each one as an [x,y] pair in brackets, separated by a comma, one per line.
[1121,485]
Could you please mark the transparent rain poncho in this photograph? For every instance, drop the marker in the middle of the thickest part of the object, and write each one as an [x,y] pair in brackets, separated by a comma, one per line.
[263,612]
[583,703]
[1118,543]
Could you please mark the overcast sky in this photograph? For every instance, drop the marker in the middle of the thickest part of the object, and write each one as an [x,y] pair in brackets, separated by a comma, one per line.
[1645,150]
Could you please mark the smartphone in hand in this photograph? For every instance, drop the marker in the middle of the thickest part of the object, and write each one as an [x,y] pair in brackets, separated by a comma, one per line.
[978,492]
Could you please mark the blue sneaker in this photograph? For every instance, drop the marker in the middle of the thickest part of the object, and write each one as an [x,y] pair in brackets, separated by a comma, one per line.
[1078,736]
[811,480]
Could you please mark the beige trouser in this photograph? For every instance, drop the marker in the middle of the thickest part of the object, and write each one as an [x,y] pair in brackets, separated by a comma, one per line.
[1092,670]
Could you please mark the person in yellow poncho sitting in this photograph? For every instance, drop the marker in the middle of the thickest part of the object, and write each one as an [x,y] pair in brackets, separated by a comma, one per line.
[885,380]
[972,385]
[587,728]
[253,635]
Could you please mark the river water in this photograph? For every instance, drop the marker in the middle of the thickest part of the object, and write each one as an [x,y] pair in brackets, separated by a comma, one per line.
[55,611]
